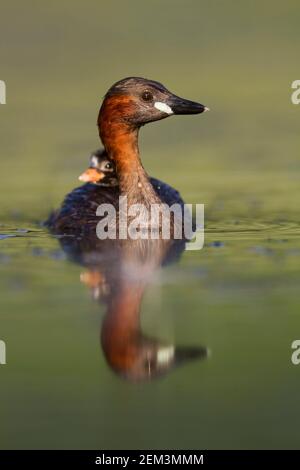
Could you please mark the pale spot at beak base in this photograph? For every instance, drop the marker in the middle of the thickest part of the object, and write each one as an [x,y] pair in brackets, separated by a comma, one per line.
[165,354]
[163,107]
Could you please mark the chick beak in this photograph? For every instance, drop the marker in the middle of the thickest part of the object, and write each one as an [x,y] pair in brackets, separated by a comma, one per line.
[182,106]
[91,175]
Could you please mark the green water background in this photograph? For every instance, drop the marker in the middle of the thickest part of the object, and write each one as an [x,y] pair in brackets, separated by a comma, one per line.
[239,296]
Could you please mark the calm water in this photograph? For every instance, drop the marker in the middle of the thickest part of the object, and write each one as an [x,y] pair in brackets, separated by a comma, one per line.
[238,298]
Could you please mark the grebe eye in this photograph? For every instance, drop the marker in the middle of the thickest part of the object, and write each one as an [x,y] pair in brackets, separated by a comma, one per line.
[147,96]
[108,166]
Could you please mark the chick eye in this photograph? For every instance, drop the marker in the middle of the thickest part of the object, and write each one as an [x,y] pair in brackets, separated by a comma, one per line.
[108,166]
[147,96]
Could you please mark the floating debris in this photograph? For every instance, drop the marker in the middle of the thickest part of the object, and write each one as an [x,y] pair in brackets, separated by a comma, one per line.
[217,244]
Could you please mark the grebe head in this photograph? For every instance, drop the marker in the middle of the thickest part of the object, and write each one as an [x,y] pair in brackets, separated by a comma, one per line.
[100,171]
[137,101]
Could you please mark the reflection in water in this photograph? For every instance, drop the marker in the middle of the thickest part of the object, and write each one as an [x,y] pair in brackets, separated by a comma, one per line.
[118,272]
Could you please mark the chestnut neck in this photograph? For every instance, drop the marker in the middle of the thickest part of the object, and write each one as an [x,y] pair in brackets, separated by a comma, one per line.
[120,139]
[121,330]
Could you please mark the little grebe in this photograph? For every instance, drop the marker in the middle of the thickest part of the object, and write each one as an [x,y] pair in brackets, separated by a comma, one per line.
[127,106]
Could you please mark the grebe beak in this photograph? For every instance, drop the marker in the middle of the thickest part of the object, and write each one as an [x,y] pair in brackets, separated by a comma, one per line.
[91,175]
[182,106]
[183,354]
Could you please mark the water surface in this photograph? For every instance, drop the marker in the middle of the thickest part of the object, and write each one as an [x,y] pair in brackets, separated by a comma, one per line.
[237,298]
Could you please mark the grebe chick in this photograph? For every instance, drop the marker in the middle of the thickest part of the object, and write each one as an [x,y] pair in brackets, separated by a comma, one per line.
[101,170]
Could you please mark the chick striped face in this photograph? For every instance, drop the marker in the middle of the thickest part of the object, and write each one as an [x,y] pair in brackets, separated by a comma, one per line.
[101,164]
[101,170]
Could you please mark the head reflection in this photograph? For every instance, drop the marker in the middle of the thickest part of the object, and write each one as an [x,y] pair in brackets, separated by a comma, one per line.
[117,273]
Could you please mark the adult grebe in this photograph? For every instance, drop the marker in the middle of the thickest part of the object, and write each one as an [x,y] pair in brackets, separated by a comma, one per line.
[128,105]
